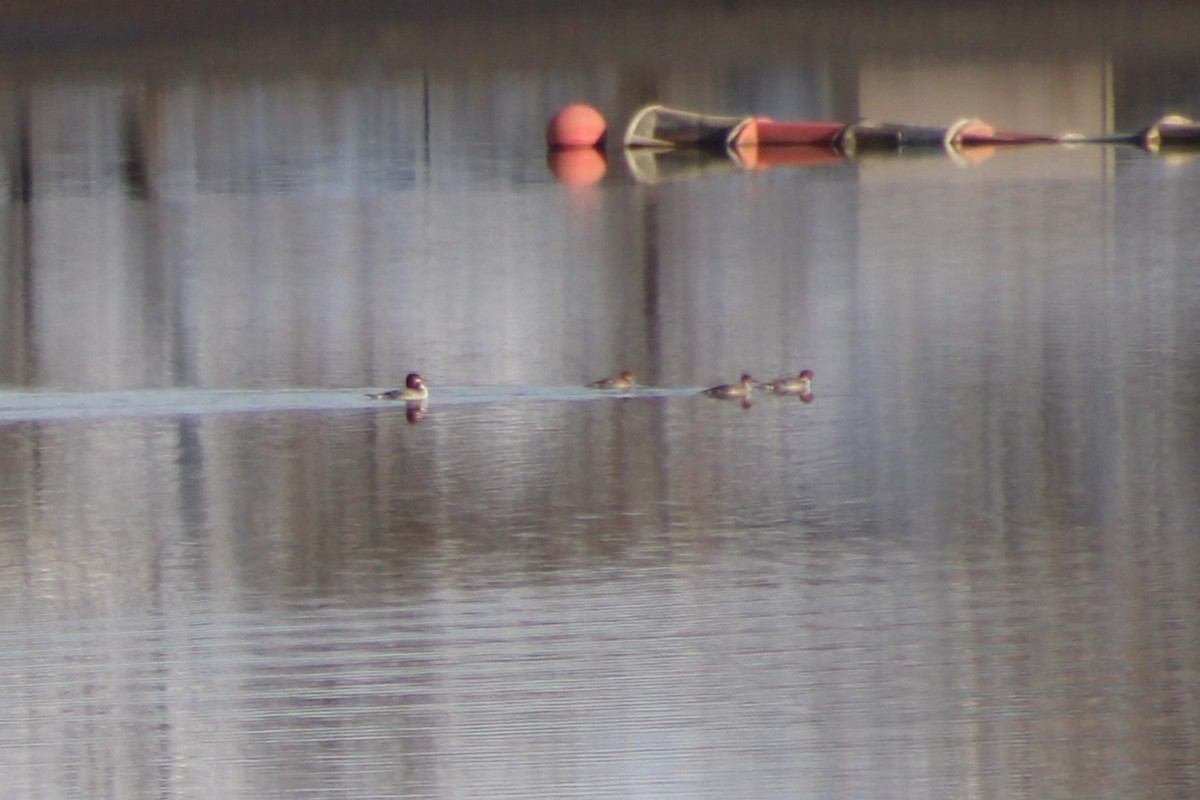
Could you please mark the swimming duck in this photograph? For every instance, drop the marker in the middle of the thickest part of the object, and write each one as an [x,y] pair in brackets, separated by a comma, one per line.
[415,388]
[742,388]
[623,382]
[801,384]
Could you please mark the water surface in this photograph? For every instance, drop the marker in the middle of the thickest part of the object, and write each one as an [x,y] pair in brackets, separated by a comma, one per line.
[967,568]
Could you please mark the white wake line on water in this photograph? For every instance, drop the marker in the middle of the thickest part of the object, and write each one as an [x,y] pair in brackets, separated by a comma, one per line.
[21,406]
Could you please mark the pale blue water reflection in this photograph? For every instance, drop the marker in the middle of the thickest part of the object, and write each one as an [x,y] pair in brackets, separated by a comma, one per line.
[967,568]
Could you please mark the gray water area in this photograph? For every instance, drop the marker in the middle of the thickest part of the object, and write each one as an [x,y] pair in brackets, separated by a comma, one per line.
[969,567]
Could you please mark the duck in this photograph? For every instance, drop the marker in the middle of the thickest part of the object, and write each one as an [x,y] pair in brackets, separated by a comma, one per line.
[414,389]
[801,384]
[623,382]
[727,391]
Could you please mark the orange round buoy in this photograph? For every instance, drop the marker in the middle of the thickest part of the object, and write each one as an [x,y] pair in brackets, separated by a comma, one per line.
[576,125]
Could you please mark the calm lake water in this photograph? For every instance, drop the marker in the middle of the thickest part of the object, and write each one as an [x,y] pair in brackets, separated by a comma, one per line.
[970,567]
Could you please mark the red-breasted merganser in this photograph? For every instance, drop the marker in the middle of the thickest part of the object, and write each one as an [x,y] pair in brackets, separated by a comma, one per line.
[415,388]
[742,388]
[801,384]
[623,382]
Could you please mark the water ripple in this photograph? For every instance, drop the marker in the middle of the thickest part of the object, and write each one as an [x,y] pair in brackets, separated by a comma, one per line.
[47,406]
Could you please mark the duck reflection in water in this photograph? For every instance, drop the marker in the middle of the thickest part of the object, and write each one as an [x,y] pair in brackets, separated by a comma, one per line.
[622,383]
[414,389]
[799,386]
[415,410]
